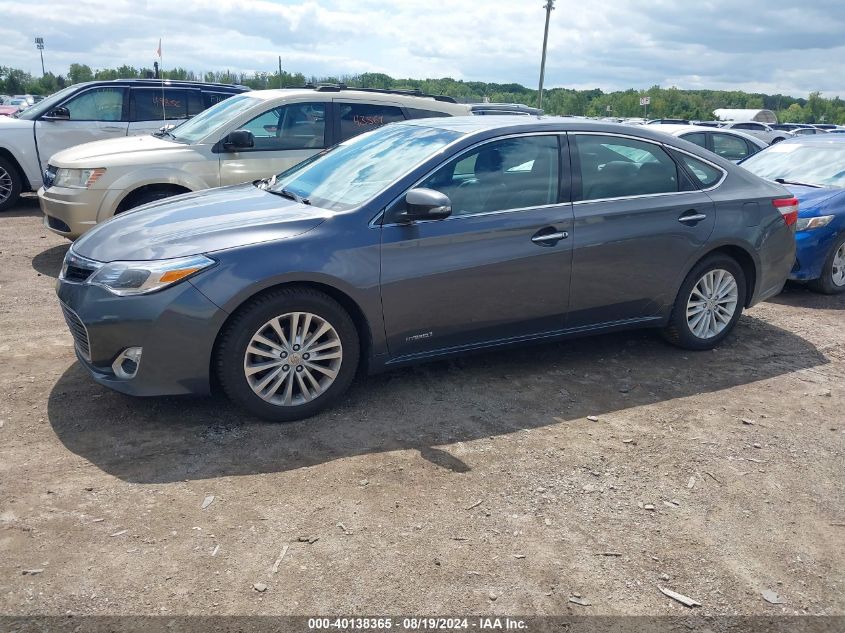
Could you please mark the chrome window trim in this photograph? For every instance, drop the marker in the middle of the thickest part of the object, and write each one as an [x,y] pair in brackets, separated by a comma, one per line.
[664,146]
[374,222]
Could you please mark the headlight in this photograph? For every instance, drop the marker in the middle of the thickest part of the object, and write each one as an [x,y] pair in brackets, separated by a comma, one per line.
[77,178]
[137,278]
[805,224]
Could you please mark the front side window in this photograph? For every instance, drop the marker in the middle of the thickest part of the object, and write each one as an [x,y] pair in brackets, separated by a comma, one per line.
[213,119]
[97,104]
[293,126]
[356,118]
[358,169]
[514,173]
[616,167]
[730,147]
[153,104]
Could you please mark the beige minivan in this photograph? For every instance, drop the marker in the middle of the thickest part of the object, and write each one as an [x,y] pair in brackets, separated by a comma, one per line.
[249,136]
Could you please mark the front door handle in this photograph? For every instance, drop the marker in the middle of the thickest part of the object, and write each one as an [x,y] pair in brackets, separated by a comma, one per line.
[692,217]
[549,239]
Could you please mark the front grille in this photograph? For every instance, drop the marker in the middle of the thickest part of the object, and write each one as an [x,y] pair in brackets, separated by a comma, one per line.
[78,331]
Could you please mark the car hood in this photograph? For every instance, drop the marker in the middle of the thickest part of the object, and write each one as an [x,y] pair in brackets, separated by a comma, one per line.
[9,123]
[813,201]
[114,150]
[202,222]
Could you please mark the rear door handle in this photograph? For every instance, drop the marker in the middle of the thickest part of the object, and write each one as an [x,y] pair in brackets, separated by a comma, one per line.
[549,239]
[692,217]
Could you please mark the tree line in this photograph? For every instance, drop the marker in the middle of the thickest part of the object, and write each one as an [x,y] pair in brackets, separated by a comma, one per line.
[665,102]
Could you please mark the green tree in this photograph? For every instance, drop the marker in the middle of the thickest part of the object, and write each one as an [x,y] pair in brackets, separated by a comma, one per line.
[79,73]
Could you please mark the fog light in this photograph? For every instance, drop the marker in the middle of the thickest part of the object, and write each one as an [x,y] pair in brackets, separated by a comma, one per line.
[126,364]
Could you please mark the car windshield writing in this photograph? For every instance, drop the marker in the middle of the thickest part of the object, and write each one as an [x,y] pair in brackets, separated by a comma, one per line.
[361,167]
[817,164]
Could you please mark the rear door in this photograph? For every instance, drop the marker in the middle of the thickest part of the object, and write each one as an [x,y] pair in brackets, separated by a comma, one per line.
[95,113]
[284,136]
[498,268]
[638,220]
[151,108]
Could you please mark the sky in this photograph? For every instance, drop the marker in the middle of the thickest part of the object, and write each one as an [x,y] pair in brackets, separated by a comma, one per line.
[772,46]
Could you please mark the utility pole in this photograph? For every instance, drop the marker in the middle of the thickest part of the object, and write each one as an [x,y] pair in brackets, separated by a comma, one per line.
[280,71]
[549,7]
[39,44]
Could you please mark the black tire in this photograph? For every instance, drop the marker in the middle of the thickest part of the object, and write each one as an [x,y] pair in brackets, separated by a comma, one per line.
[678,331]
[777,140]
[249,320]
[10,184]
[146,197]
[824,284]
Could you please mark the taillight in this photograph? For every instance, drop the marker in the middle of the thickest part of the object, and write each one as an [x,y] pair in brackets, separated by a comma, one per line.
[788,208]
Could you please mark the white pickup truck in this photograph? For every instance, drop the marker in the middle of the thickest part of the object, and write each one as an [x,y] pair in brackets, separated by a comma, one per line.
[93,111]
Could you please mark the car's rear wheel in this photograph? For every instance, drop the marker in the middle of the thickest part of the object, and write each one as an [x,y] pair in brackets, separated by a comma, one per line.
[708,304]
[832,280]
[288,354]
[10,184]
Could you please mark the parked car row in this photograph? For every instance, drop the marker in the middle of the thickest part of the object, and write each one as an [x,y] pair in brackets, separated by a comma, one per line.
[362,230]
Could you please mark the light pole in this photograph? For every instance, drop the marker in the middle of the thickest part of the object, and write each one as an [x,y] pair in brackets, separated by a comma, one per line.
[39,44]
[549,7]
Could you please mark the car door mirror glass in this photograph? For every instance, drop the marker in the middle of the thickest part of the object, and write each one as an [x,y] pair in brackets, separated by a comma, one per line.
[423,204]
[58,114]
[239,139]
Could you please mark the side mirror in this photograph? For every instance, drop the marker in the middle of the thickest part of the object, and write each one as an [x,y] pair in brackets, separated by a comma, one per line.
[239,139]
[423,204]
[166,128]
[58,114]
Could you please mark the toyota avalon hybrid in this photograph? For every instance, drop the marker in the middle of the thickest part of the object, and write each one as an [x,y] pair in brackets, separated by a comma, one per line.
[421,240]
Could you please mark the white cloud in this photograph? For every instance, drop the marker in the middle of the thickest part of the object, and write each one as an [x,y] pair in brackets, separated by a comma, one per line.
[765,46]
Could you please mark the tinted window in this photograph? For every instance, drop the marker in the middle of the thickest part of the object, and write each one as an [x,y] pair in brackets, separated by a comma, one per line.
[212,98]
[154,104]
[730,147]
[416,113]
[293,126]
[510,174]
[699,138]
[97,104]
[615,167]
[705,174]
[356,118]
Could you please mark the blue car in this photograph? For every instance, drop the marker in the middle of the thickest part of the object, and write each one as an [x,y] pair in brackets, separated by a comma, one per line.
[813,169]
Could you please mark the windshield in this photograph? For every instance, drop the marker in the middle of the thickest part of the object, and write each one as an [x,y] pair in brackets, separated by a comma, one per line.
[47,104]
[812,163]
[357,169]
[208,121]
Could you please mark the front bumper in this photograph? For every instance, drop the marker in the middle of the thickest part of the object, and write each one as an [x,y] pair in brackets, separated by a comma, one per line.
[176,327]
[72,212]
[812,248]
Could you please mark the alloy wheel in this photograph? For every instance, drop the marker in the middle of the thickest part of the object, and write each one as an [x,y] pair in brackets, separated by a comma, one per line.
[6,185]
[837,269]
[293,359]
[712,303]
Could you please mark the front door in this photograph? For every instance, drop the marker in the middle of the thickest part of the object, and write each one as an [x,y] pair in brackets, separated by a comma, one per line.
[498,268]
[95,114]
[638,221]
[284,136]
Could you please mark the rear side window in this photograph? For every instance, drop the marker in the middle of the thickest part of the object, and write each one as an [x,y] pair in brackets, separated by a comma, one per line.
[730,147]
[705,174]
[357,118]
[212,98]
[617,167]
[416,113]
[153,104]
[699,138]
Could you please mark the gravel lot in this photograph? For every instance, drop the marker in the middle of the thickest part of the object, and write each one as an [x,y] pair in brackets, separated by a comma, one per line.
[472,486]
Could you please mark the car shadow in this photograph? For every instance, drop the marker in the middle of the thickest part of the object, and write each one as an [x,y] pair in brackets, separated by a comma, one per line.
[800,296]
[49,262]
[26,206]
[157,440]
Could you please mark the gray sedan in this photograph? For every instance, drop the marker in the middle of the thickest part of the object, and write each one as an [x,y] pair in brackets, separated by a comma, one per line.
[422,240]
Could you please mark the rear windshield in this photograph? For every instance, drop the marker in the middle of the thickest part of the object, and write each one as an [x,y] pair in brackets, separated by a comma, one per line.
[811,163]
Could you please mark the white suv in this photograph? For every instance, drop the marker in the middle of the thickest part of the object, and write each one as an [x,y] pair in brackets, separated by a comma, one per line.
[247,137]
[760,130]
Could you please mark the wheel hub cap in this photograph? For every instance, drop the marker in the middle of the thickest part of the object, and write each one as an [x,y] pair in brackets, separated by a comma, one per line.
[712,303]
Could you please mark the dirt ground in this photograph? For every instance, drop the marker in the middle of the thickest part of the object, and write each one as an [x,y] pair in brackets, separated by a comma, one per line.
[472,486]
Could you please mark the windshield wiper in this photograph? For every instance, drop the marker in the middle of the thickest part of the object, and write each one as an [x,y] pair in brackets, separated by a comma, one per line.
[783,181]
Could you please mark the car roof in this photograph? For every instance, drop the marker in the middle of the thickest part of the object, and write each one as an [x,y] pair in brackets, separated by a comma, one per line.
[677,130]
[176,83]
[815,139]
[424,102]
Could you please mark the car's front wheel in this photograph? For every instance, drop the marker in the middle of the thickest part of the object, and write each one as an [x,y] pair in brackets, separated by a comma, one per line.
[708,304]
[288,354]
[832,280]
